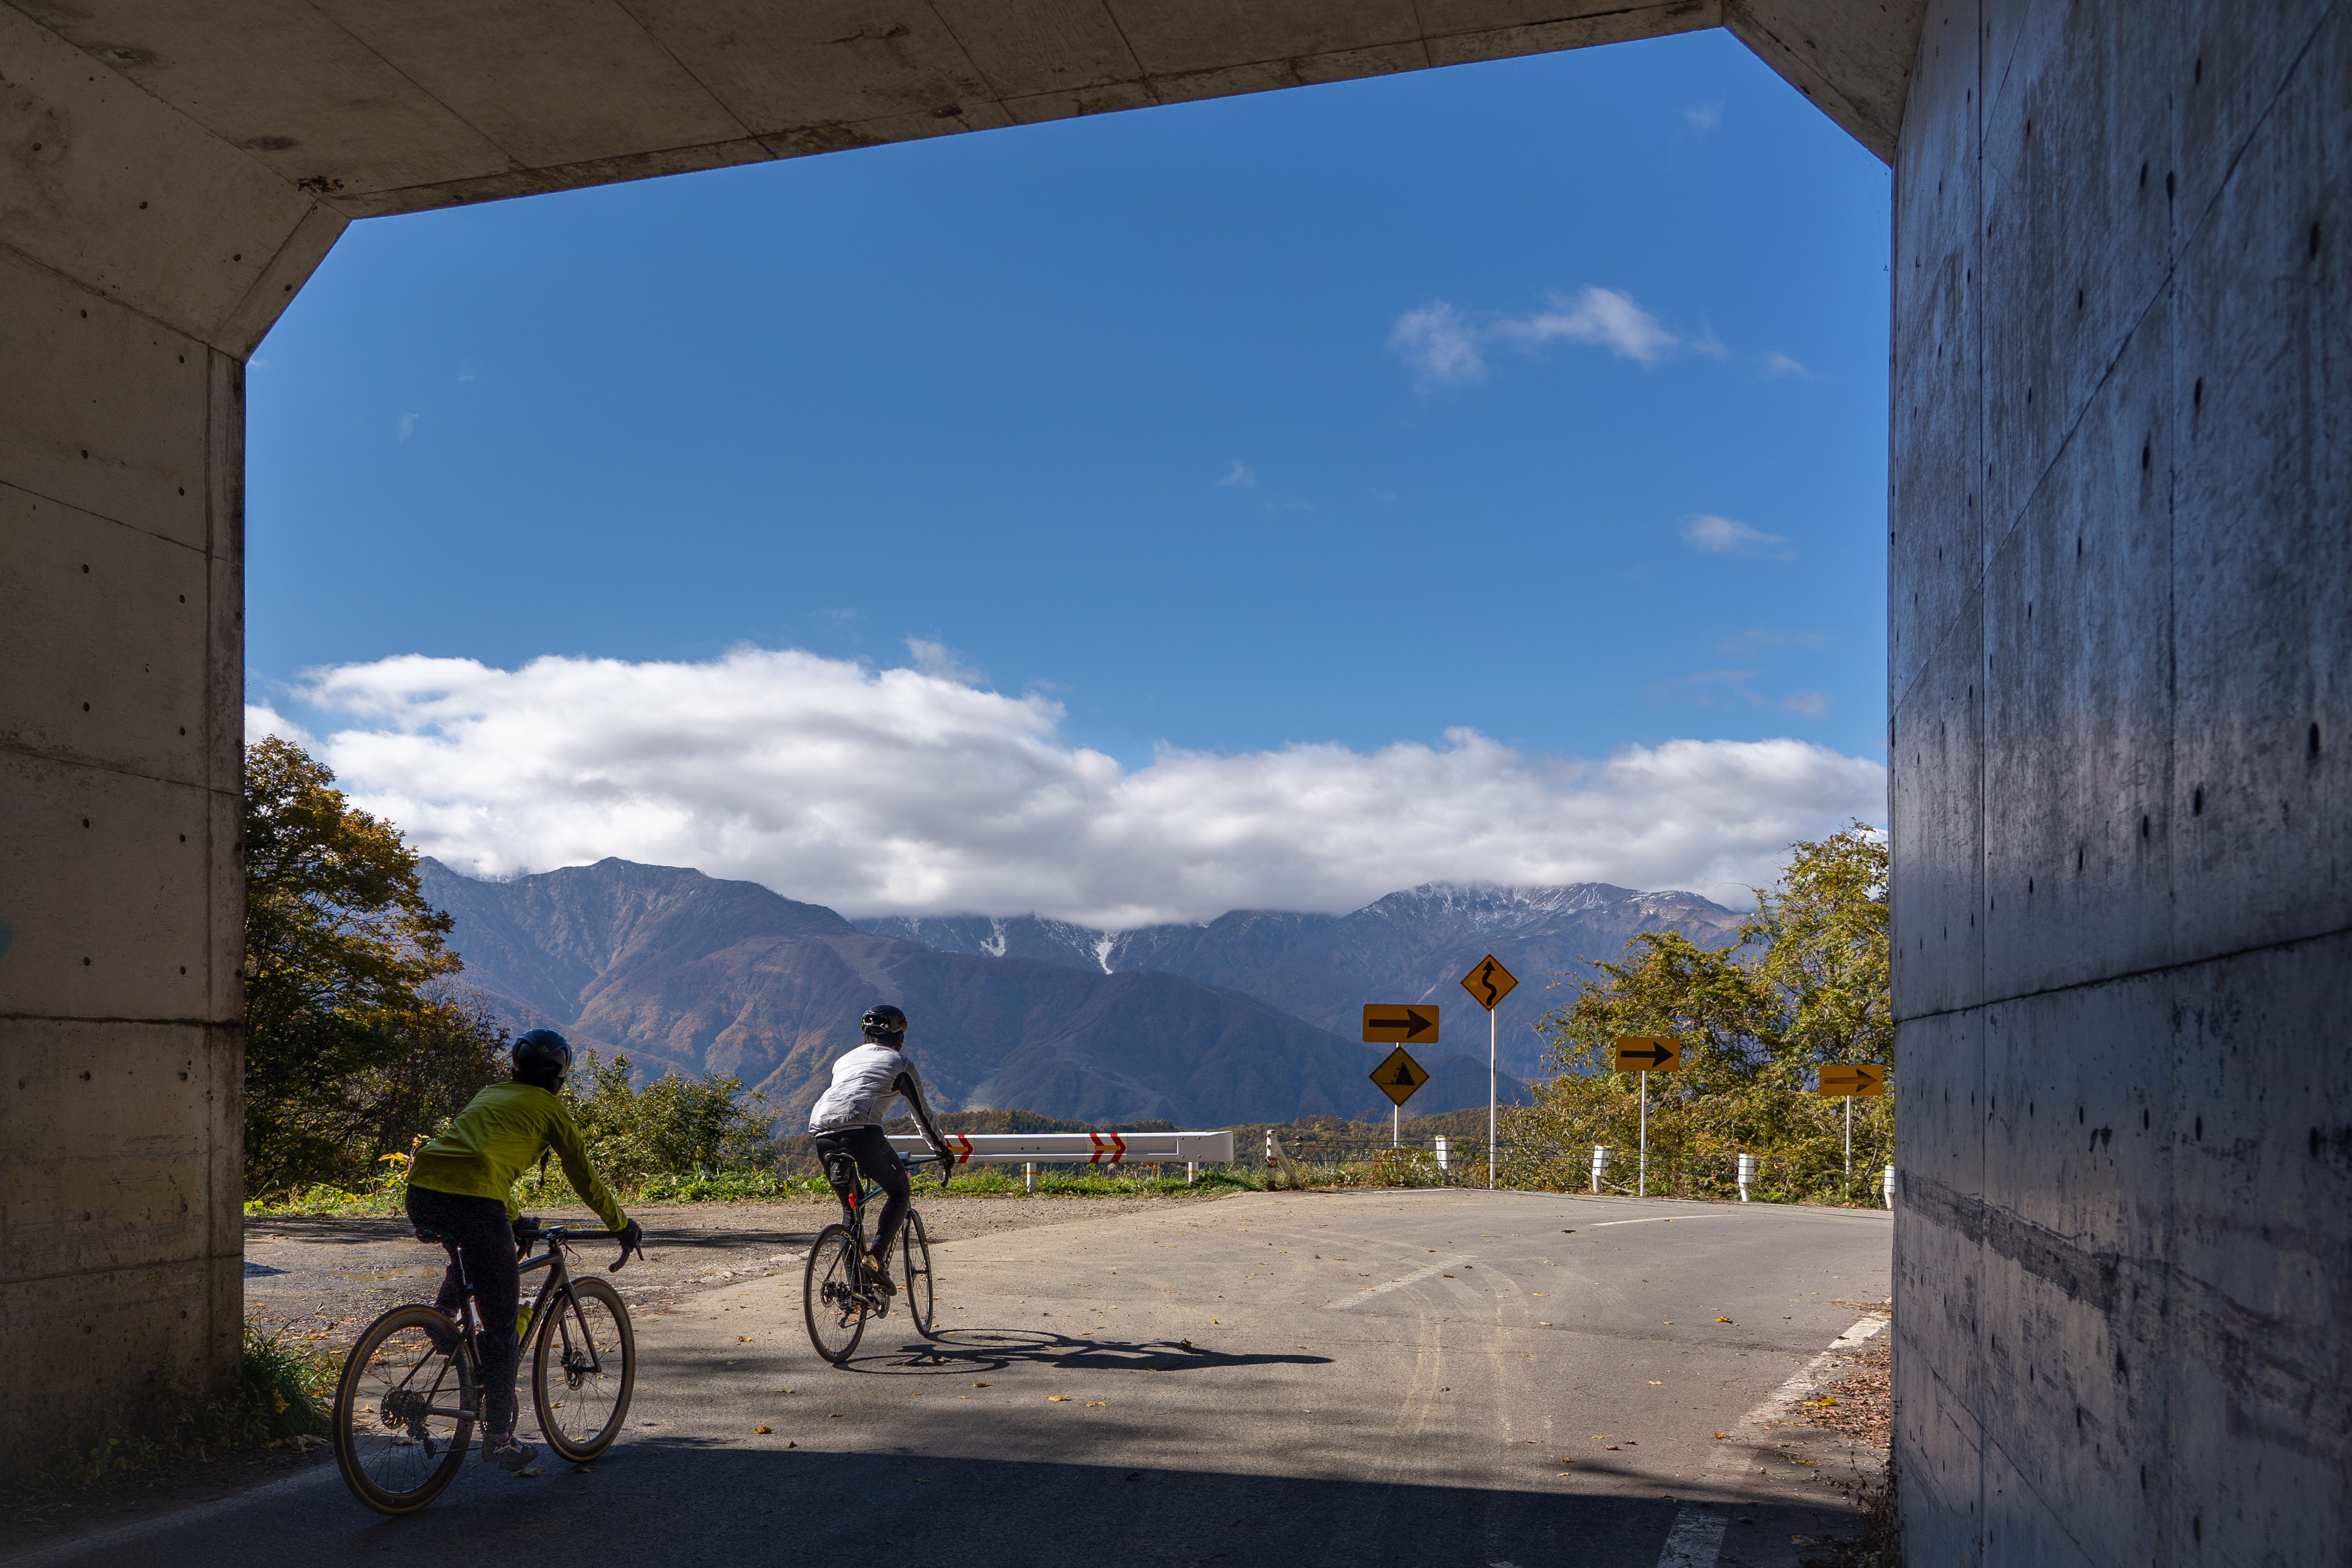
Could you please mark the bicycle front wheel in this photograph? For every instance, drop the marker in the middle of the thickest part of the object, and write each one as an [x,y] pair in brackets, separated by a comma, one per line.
[833,1296]
[915,1275]
[583,1368]
[403,1410]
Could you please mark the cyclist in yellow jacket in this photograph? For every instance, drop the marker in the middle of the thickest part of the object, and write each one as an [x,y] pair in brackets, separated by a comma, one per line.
[461,1185]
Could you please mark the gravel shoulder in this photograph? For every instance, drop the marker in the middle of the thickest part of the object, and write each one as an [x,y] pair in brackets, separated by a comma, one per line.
[327,1279]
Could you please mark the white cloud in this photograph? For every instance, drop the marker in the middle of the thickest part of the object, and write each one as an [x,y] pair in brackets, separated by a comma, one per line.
[407,426]
[1811,704]
[1778,364]
[1241,474]
[1446,347]
[1722,536]
[262,720]
[1603,317]
[1699,119]
[896,790]
[1440,344]
[943,662]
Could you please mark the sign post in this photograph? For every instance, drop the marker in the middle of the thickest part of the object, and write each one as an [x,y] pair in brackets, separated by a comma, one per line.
[1851,1079]
[1488,983]
[1646,1054]
[1400,1078]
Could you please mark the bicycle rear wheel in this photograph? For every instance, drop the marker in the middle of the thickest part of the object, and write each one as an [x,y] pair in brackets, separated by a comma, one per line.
[915,1282]
[584,1369]
[833,1296]
[403,1410]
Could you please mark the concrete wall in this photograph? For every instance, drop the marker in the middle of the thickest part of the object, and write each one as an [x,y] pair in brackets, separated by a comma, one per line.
[142,260]
[2121,574]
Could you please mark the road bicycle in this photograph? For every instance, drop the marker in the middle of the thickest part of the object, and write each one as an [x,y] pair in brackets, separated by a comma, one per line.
[835,1296]
[407,1402]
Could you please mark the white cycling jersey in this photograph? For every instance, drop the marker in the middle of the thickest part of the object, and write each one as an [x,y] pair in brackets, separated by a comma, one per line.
[865,1081]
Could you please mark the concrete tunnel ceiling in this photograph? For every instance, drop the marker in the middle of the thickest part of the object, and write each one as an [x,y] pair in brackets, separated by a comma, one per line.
[312,113]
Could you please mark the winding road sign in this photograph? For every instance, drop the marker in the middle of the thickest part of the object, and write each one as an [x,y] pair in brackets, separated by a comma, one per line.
[1398,1023]
[1488,983]
[1648,1053]
[1852,1078]
[1399,1076]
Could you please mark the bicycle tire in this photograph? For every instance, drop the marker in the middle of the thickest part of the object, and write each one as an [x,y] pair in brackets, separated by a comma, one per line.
[403,1410]
[832,1299]
[917,1287]
[565,1391]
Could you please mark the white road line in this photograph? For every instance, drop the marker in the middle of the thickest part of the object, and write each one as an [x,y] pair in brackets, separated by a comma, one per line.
[1697,1535]
[1659,1219]
[1418,1275]
[1696,1539]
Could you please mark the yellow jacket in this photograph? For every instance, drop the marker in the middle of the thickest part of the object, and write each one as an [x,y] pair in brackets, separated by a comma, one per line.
[502,1134]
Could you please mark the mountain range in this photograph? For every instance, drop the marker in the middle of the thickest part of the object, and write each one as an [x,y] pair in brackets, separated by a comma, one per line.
[688,972]
[1412,947]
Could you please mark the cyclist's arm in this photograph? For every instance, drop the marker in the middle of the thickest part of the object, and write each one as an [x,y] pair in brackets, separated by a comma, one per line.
[910,1088]
[564,1137]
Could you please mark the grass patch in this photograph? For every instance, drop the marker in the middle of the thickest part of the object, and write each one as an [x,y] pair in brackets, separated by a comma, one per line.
[282,1396]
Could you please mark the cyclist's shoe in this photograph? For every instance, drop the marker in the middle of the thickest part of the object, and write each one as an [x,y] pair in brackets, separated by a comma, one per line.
[878,1275]
[507,1452]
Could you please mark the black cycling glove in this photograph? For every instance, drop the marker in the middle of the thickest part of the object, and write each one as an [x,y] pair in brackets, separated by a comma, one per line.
[633,1239]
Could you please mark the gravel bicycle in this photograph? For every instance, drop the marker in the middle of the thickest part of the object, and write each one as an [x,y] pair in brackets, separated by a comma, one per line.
[836,1296]
[406,1404]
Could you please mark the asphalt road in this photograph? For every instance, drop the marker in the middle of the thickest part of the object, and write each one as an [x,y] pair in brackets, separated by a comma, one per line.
[1442,1377]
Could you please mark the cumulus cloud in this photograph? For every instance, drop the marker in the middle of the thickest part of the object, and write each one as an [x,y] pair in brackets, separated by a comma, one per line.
[1240,474]
[903,791]
[1447,347]
[261,721]
[1722,536]
[1778,364]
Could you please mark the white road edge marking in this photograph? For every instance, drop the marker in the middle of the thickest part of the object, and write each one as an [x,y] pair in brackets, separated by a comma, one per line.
[1697,1535]
[1418,1275]
[1659,1219]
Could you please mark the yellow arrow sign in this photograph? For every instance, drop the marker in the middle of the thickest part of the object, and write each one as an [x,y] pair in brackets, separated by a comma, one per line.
[1400,1077]
[1489,982]
[1390,1023]
[1852,1078]
[1648,1053]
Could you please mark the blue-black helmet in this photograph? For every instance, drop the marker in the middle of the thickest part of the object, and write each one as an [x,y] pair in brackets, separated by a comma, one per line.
[542,1053]
[883,1019]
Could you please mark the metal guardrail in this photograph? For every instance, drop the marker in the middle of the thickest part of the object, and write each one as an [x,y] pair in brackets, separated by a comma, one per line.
[1081,1148]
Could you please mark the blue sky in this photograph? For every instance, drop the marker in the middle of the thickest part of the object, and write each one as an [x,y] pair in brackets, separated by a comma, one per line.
[1544,398]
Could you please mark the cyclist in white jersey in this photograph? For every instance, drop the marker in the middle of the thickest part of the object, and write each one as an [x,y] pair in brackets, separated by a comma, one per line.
[847,1120]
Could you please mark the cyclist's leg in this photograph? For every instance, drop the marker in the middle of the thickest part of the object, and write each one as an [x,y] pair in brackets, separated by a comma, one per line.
[880,1163]
[486,1242]
[830,1151]
[426,1212]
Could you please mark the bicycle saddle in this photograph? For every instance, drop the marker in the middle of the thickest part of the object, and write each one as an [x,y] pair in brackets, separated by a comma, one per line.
[430,1236]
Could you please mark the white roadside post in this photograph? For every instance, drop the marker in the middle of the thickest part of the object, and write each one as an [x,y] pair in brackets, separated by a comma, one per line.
[1746,1174]
[1191,1171]
[1488,983]
[1600,1166]
[1029,1177]
[1641,1173]
[1888,1186]
[1444,1166]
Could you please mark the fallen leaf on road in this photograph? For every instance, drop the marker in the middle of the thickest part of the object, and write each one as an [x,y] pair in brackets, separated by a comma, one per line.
[759,1431]
[980,1385]
[1057,1399]
[1568,1233]
[1613,1447]
[1656,1384]
[1723,1320]
[790,1444]
[835,1417]
[1097,1404]
[1719,1436]
[743,1339]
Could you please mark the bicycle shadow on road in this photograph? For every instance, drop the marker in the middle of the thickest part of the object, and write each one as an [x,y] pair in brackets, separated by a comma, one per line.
[972,1349]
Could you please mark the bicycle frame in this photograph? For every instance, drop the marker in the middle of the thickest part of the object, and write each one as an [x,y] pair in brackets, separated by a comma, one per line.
[469,1322]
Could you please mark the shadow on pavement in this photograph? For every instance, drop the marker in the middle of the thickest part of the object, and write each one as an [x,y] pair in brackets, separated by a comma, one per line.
[972,1349]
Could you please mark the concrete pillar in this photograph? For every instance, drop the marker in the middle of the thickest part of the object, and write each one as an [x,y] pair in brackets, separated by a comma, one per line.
[2121,738]
[140,259]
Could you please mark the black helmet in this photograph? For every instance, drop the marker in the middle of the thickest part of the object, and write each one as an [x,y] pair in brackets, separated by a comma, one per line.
[884,1019]
[542,1057]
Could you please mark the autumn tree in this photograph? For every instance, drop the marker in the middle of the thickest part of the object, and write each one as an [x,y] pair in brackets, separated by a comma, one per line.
[353,1040]
[1804,984]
